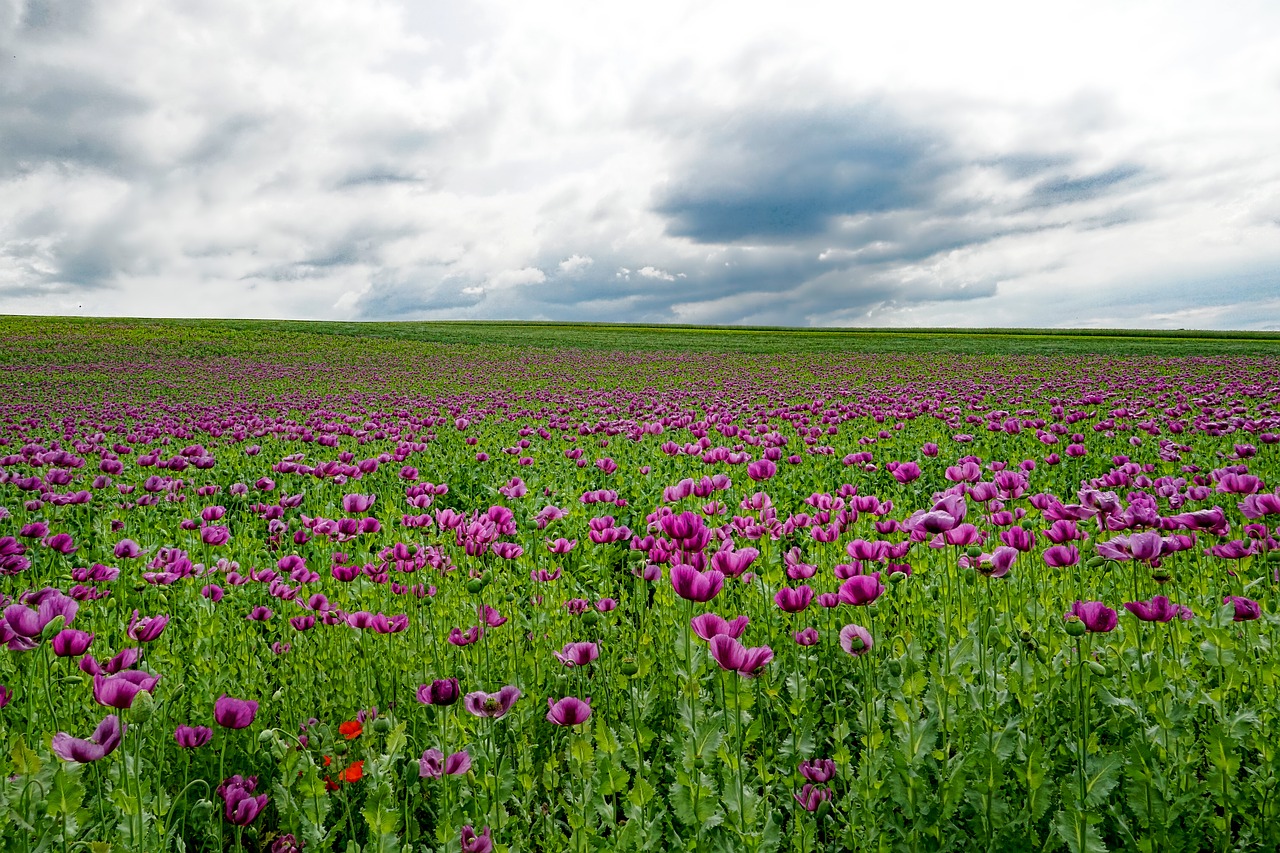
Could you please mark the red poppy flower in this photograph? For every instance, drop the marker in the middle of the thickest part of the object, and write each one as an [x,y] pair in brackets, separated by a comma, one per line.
[351,729]
[354,773]
[329,784]
[327,761]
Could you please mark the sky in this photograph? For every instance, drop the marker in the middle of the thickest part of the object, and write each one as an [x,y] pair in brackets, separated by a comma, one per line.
[1096,164]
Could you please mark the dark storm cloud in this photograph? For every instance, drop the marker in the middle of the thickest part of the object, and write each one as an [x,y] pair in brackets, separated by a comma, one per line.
[774,177]
[406,294]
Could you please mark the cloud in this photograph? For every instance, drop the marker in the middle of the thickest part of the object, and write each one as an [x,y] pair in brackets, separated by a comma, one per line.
[381,159]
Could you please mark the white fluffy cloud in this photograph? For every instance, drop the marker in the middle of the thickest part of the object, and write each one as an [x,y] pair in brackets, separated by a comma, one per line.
[908,164]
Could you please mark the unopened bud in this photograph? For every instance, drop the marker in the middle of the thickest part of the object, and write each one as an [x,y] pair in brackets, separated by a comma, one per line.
[144,705]
[1098,669]
[266,736]
[55,625]
[895,668]
[824,809]
[475,585]
[1095,561]
[591,618]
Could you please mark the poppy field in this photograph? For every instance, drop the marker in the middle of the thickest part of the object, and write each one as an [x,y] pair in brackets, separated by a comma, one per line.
[273,591]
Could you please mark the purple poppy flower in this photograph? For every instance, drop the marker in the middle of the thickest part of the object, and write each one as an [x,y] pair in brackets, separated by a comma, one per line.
[260,613]
[818,770]
[1246,608]
[6,695]
[578,654]
[733,656]
[233,713]
[242,808]
[442,691]
[191,737]
[70,643]
[472,843]
[794,600]
[1158,609]
[807,637]
[460,638]
[569,711]
[104,740]
[1060,556]
[492,705]
[1097,617]
[127,549]
[62,543]
[861,589]
[147,628]
[709,625]
[693,585]
[855,640]
[811,797]
[119,690]
[431,764]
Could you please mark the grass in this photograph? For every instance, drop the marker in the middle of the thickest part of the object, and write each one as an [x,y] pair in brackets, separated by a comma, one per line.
[37,337]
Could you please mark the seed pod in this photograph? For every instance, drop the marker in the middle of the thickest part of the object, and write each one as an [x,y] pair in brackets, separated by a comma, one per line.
[591,618]
[699,762]
[382,725]
[628,668]
[475,585]
[1025,636]
[1074,626]
[1161,576]
[974,552]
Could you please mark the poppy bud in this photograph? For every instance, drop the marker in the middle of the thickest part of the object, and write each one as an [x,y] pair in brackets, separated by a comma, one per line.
[382,725]
[993,635]
[266,736]
[698,762]
[897,577]
[1043,654]
[202,810]
[1095,561]
[475,586]
[340,748]
[55,625]
[1273,557]
[629,668]
[1097,668]
[973,552]
[824,809]
[144,705]
[487,577]
[591,619]
[510,597]
[1074,626]
[895,668]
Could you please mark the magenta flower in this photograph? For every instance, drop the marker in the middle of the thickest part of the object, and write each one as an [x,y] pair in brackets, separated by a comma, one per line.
[147,628]
[232,713]
[433,764]
[793,600]
[1246,608]
[693,585]
[472,843]
[709,625]
[818,770]
[242,808]
[442,691]
[62,543]
[855,640]
[192,737]
[119,690]
[807,637]
[1158,609]
[578,654]
[1060,556]
[861,589]
[458,638]
[492,705]
[124,659]
[1097,617]
[127,549]
[561,545]
[5,695]
[490,616]
[104,740]
[811,797]
[70,643]
[569,711]
[733,656]
[906,472]
[761,469]
[358,503]
[215,535]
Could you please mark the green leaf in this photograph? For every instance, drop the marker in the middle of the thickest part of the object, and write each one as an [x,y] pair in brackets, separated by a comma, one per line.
[1101,775]
[1076,829]
[641,792]
[25,762]
[65,795]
